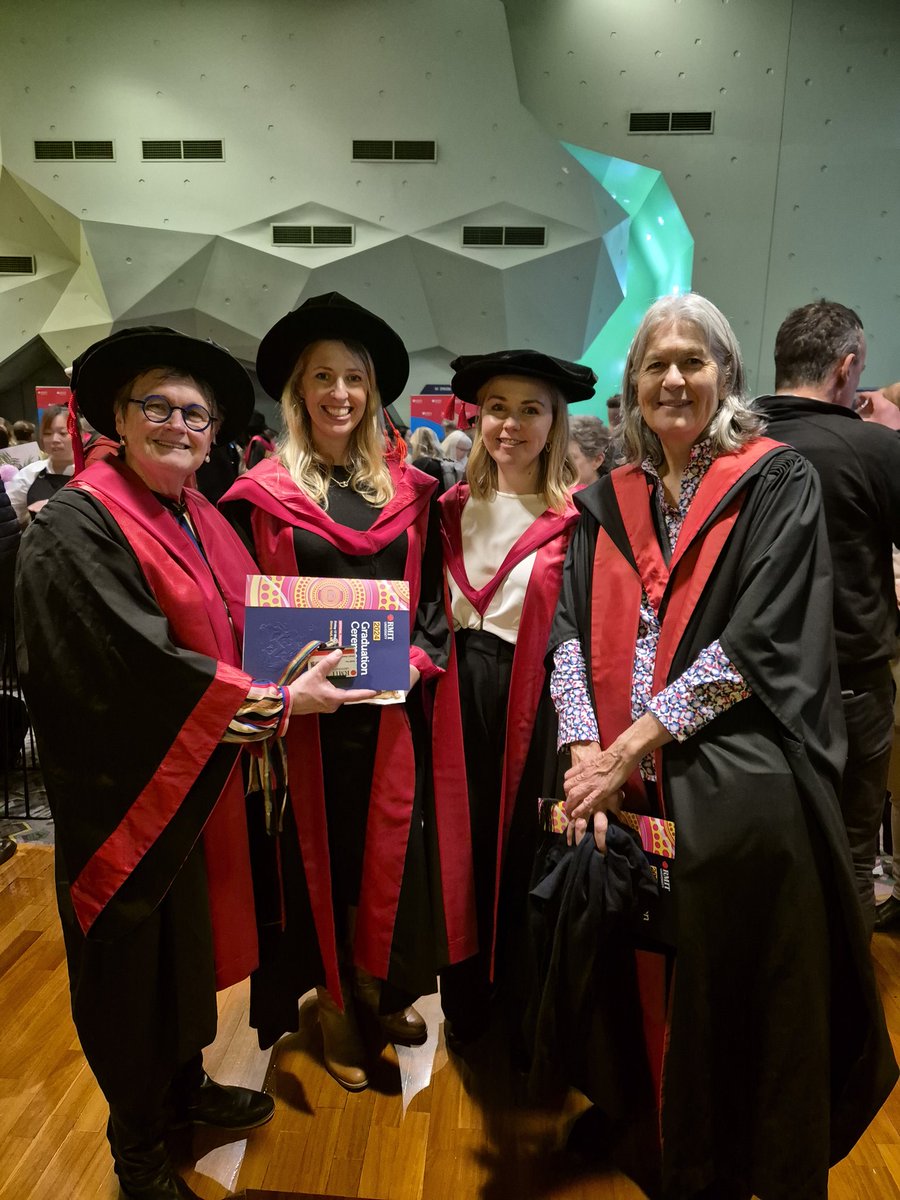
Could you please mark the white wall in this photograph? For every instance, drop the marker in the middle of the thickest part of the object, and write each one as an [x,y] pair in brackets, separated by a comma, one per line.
[797,194]
[288,85]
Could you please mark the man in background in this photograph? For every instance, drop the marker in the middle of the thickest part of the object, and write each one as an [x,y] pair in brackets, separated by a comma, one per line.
[820,353]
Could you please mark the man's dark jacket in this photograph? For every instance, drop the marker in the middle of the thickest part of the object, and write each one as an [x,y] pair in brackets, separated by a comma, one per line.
[858,463]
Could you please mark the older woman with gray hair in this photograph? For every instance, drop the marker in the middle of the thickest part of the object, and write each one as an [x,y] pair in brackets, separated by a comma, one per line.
[695,682]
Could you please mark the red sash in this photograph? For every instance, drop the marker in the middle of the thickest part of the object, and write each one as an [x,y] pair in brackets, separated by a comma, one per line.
[279,508]
[548,538]
[616,587]
[615,611]
[185,590]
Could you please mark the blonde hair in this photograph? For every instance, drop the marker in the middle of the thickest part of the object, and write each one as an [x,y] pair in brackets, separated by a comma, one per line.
[555,473]
[369,473]
[423,443]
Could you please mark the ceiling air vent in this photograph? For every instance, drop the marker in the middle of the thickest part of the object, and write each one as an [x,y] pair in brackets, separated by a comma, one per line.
[367,150]
[415,151]
[190,150]
[312,235]
[16,264]
[675,122]
[53,151]
[648,122]
[205,151]
[94,151]
[80,151]
[692,122]
[493,236]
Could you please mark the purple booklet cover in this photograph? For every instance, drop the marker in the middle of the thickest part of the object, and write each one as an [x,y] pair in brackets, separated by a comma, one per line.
[368,618]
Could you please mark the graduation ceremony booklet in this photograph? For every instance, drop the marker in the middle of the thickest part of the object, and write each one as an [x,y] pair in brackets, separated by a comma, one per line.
[367,619]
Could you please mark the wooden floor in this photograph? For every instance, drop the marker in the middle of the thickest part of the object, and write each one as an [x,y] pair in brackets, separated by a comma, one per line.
[465,1135]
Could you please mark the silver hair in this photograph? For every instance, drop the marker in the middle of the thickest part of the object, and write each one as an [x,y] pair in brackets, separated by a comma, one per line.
[735,420]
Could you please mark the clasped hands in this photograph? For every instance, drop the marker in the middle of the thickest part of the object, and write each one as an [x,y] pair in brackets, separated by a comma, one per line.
[593,787]
[594,783]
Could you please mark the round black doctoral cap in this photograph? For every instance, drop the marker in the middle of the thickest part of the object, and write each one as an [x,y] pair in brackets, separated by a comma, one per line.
[575,381]
[104,368]
[332,317]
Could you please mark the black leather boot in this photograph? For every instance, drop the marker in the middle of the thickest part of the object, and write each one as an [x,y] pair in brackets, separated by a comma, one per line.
[224,1106]
[143,1166]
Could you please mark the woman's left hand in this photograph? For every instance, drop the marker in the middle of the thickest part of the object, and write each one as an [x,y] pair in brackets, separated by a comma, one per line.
[595,785]
[414,676]
[593,788]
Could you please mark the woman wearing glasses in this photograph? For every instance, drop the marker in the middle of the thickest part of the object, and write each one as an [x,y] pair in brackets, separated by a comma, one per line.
[130,593]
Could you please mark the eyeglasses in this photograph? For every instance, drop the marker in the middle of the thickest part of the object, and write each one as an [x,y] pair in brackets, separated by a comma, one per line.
[159,410]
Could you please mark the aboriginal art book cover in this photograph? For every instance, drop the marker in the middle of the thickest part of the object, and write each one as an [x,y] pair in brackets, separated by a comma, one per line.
[295,620]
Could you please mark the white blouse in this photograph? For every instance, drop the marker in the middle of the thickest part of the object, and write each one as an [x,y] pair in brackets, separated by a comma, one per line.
[489,530]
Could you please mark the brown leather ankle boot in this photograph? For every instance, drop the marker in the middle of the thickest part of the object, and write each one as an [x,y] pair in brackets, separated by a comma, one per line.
[406,1026]
[343,1050]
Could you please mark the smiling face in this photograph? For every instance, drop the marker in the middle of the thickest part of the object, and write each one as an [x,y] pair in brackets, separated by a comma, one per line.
[163,454]
[679,385]
[333,387]
[516,418]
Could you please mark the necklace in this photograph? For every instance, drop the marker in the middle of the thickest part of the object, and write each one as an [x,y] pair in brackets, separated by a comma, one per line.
[341,483]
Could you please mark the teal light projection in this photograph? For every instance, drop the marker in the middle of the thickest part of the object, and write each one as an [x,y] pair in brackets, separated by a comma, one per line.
[658,262]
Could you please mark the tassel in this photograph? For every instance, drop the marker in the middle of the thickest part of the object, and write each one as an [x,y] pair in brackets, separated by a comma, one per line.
[267,773]
[75,435]
[398,447]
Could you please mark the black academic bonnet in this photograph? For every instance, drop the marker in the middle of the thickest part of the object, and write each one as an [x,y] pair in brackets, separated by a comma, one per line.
[332,317]
[104,368]
[472,370]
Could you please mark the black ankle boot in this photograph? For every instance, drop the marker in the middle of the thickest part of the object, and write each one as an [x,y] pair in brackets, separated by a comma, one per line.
[167,1187]
[143,1167]
[223,1105]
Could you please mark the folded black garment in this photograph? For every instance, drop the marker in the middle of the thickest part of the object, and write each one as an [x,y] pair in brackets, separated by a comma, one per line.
[583,1023]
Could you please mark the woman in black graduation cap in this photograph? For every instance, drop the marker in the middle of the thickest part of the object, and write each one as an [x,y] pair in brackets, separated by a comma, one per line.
[130,619]
[505,534]
[338,502]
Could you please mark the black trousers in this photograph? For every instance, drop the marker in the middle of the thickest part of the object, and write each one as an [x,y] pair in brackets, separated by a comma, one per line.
[485,669]
[869,712]
[144,1007]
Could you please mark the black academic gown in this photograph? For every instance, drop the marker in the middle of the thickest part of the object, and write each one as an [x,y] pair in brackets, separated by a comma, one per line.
[345,882]
[776,1055]
[129,722]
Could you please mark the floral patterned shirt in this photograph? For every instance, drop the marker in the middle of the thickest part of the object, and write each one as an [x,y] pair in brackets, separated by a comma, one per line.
[709,686]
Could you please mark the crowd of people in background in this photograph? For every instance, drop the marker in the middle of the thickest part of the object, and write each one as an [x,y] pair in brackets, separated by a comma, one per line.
[616,816]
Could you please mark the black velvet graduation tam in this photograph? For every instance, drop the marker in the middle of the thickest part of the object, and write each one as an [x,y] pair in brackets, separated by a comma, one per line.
[575,381]
[332,317]
[107,365]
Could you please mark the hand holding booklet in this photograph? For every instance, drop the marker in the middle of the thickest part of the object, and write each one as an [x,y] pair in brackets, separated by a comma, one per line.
[367,619]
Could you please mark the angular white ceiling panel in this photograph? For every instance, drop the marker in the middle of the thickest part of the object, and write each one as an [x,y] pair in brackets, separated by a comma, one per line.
[546,299]
[189,243]
[67,344]
[83,302]
[249,289]
[178,291]
[259,234]
[35,223]
[607,293]
[559,235]
[182,319]
[28,304]
[132,261]
[241,344]
[386,280]
[466,299]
